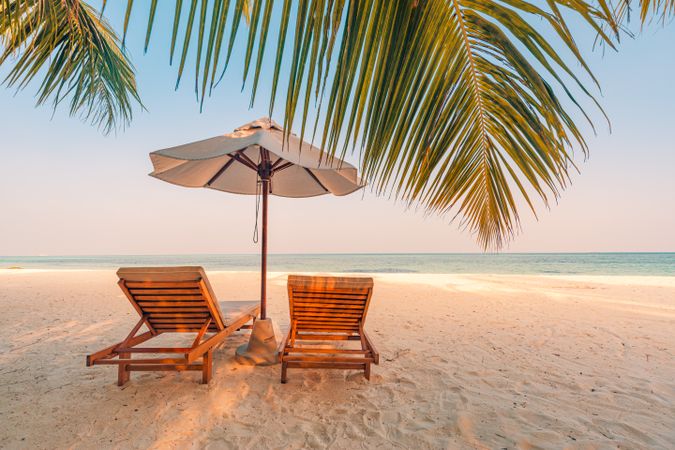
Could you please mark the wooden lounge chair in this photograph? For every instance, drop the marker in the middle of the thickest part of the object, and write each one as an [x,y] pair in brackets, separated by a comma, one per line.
[173,300]
[327,309]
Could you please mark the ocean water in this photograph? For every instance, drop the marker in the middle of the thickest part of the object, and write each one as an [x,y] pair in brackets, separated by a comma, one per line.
[661,264]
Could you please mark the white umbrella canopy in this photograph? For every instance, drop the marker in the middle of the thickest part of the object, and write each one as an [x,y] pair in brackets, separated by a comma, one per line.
[234,163]
[254,160]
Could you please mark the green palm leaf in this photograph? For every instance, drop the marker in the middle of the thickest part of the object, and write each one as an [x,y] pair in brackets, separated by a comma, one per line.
[453,104]
[75,51]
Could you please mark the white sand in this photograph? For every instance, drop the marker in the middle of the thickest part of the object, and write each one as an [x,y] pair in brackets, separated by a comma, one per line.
[468,361]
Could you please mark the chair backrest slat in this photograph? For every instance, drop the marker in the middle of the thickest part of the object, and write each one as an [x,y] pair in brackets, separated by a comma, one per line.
[328,304]
[174,299]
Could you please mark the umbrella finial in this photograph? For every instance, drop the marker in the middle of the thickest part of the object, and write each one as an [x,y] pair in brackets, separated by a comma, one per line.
[265,123]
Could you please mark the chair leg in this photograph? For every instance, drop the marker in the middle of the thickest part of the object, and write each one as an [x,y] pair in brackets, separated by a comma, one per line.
[207,367]
[284,370]
[123,374]
[366,371]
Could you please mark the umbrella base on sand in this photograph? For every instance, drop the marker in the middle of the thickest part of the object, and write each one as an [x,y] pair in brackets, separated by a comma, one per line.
[262,347]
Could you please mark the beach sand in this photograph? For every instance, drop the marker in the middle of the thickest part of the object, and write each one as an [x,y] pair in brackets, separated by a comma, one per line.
[467,361]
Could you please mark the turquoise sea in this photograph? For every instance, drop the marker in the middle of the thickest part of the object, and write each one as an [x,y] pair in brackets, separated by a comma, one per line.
[661,264]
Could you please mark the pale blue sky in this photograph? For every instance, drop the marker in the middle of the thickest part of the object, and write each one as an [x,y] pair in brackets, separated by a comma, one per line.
[67,189]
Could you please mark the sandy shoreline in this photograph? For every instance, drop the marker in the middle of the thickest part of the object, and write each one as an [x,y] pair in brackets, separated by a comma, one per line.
[468,361]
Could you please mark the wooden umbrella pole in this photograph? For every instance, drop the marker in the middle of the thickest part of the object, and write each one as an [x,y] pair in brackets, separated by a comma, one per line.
[263,262]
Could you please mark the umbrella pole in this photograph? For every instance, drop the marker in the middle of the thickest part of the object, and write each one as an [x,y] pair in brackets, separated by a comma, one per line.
[261,348]
[263,261]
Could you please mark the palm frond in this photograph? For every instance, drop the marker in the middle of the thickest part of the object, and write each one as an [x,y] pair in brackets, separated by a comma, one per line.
[448,102]
[648,10]
[449,111]
[452,104]
[75,52]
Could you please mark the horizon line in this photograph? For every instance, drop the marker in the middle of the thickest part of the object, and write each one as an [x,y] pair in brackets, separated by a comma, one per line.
[337,253]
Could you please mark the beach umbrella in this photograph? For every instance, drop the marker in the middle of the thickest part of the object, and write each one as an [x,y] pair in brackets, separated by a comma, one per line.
[256,159]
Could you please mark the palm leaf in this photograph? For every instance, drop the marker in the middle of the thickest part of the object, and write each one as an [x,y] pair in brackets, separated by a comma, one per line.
[75,52]
[660,10]
[453,104]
